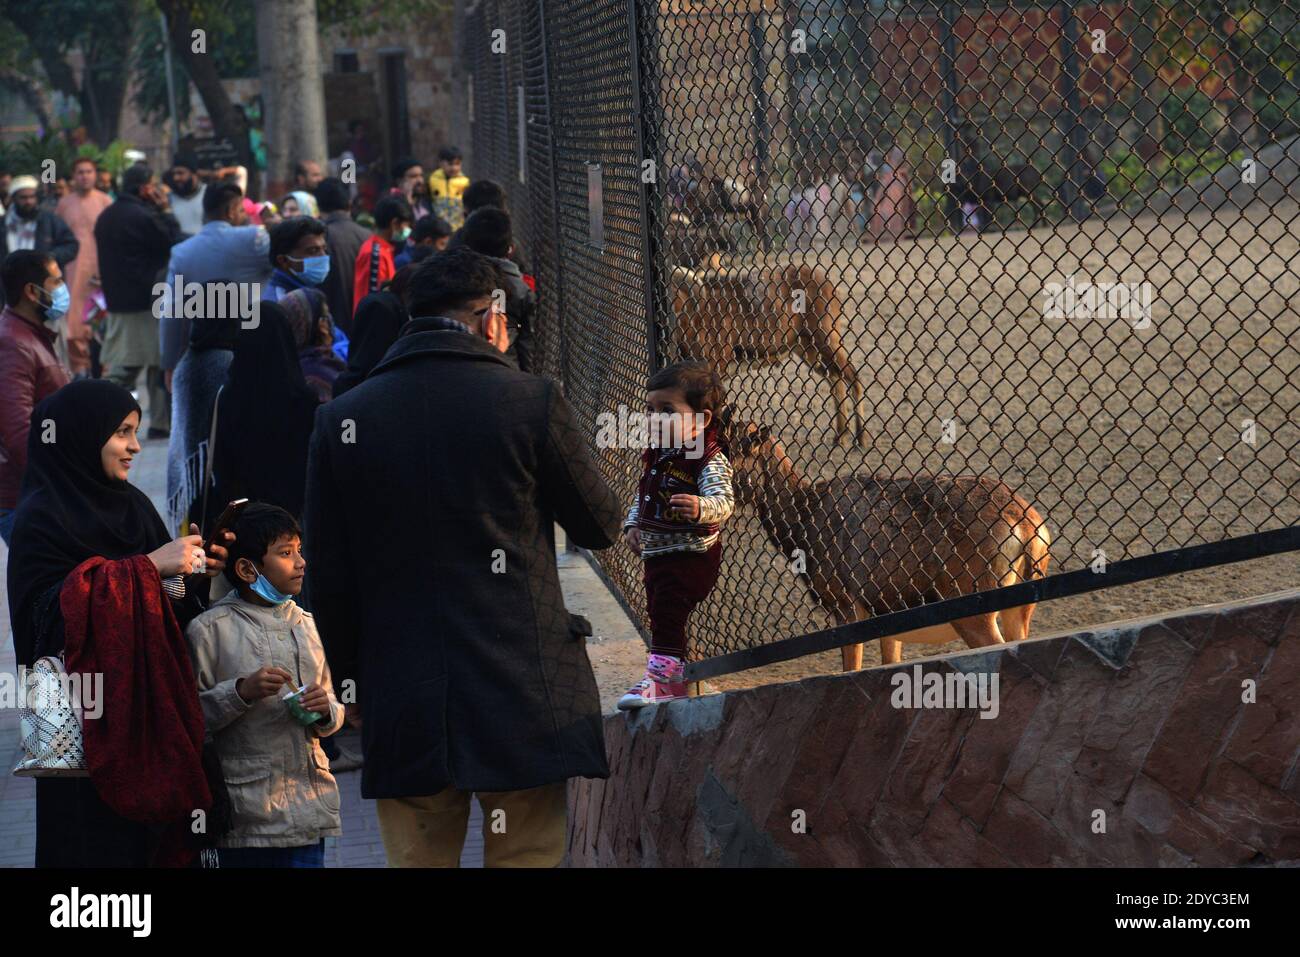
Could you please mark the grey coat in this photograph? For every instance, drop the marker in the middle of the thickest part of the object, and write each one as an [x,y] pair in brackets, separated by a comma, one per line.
[282,793]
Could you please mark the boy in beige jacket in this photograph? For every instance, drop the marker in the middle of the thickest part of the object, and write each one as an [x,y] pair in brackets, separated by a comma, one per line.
[251,649]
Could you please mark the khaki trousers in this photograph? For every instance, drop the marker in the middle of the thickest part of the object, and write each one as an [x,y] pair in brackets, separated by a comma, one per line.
[520,828]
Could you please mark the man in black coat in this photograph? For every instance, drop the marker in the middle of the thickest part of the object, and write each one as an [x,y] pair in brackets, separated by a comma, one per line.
[134,237]
[432,491]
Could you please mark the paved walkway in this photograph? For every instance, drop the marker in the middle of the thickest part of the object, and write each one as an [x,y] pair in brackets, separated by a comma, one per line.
[614,648]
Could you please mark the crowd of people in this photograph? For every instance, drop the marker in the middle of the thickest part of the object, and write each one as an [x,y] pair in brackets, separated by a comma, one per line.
[363,478]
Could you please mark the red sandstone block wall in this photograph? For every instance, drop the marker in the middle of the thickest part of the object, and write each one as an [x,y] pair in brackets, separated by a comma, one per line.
[1142,726]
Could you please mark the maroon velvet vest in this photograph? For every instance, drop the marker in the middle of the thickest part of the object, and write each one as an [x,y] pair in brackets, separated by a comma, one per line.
[670,472]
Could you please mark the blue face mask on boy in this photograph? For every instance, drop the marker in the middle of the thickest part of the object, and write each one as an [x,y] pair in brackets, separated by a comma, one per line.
[314,269]
[268,591]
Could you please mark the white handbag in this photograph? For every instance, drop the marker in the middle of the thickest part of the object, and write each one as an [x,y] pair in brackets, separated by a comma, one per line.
[49,722]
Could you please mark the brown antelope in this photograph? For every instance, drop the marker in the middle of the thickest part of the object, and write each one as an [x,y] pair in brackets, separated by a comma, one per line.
[725,315]
[876,544]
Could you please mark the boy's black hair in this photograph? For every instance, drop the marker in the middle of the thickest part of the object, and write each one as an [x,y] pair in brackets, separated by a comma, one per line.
[289,233]
[488,231]
[449,153]
[390,208]
[430,227]
[449,280]
[481,193]
[698,383]
[258,527]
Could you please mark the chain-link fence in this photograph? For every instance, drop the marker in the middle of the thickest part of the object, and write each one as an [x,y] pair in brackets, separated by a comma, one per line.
[996,290]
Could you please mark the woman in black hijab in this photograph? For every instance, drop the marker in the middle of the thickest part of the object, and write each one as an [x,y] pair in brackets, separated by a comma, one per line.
[375,327]
[265,417]
[77,504]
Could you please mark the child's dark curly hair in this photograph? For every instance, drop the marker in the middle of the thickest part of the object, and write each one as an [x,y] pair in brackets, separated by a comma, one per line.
[258,527]
[697,382]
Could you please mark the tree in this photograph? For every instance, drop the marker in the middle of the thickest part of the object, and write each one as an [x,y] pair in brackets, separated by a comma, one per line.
[289,54]
[50,33]
[231,40]
[184,18]
[287,77]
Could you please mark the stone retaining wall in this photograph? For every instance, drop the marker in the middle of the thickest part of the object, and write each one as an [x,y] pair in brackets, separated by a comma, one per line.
[1168,741]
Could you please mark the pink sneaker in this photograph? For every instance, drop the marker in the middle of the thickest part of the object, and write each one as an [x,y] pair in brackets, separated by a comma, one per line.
[662,682]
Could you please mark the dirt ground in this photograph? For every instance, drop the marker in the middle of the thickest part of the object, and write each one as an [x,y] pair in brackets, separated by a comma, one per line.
[1127,440]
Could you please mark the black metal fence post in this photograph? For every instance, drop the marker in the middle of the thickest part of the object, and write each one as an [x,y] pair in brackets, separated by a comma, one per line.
[762,127]
[951,120]
[1072,187]
[645,122]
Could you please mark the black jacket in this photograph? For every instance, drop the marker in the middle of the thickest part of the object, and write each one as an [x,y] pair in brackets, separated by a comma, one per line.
[343,237]
[432,491]
[134,241]
[53,236]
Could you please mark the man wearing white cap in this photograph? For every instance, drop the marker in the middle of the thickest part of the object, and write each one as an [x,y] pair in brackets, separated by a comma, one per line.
[26,226]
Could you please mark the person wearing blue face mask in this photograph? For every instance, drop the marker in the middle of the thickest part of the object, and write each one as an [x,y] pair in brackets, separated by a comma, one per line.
[57,307]
[252,650]
[30,364]
[300,260]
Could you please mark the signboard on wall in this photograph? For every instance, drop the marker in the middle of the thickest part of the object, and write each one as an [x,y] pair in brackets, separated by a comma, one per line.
[210,151]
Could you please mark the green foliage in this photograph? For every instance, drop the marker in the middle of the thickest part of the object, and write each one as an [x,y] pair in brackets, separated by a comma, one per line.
[28,155]
[232,42]
[111,157]
[150,96]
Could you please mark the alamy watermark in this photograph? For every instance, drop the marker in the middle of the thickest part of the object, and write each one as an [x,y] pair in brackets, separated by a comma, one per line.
[209,300]
[921,689]
[1085,299]
[632,429]
[76,909]
[84,691]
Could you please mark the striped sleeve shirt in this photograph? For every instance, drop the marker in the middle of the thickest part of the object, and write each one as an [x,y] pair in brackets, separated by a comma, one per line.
[717,502]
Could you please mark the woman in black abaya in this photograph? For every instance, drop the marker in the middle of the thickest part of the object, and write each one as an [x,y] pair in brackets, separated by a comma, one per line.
[76,504]
[265,417]
[375,327]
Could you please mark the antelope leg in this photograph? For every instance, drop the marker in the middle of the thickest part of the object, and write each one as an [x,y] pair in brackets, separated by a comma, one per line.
[979,631]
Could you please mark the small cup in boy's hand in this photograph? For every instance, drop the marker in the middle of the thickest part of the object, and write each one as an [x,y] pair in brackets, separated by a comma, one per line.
[315,698]
[262,683]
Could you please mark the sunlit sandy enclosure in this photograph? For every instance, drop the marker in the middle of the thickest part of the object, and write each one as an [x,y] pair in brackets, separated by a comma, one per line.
[1128,440]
